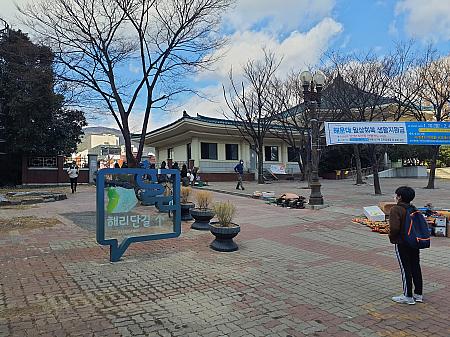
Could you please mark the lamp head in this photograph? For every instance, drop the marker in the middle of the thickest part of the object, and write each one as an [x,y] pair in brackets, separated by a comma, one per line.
[319,78]
[306,77]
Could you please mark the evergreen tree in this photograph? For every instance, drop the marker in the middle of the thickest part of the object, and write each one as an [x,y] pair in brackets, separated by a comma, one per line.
[33,117]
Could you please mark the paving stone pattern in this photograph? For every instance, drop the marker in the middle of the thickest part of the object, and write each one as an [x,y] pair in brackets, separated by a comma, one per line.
[297,273]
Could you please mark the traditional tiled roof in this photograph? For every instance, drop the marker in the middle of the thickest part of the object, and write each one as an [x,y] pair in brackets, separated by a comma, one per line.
[201,118]
[338,84]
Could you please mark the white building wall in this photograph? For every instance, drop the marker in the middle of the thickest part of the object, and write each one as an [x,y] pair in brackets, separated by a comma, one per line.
[221,165]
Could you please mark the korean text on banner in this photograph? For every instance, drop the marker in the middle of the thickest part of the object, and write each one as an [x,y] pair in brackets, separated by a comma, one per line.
[366,133]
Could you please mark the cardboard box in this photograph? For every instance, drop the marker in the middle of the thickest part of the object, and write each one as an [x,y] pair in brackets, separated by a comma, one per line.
[386,206]
[374,213]
[440,221]
[440,231]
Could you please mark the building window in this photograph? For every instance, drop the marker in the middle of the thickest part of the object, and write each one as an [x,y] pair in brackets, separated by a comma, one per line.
[209,150]
[188,151]
[110,151]
[170,153]
[271,153]
[293,157]
[231,151]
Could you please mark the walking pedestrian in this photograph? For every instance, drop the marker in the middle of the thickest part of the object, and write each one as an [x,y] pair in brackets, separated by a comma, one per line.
[239,169]
[408,257]
[184,175]
[162,178]
[72,171]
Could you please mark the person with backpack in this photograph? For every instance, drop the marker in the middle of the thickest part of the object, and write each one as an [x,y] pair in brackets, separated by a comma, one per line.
[408,231]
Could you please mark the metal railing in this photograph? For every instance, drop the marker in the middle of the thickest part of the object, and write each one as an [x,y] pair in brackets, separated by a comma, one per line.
[43,162]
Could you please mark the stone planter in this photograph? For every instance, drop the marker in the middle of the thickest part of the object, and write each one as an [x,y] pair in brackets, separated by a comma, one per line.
[185,208]
[202,218]
[224,237]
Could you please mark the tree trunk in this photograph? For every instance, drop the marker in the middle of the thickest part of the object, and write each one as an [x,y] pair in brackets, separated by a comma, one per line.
[359,178]
[301,168]
[131,161]
[308,160]
[434,158]
[299,162]
[374,162]
[304,159]
[260,155]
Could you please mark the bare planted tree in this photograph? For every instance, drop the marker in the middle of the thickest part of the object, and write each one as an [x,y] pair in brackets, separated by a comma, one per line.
[367,78]
[290,118]
[406,84]
[248,104]
[435,75]
[340,98]
[95,41]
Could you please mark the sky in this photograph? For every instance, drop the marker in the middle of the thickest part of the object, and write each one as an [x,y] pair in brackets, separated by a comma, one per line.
[300,32]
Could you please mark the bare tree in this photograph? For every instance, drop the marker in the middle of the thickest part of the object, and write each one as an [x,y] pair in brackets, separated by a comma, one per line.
[290,118]
[435,75]
[248,104]
[95,41]
[406,84]
[363,98]
[340,98]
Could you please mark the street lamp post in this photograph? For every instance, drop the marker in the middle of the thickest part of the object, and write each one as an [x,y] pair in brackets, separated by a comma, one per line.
[312,91]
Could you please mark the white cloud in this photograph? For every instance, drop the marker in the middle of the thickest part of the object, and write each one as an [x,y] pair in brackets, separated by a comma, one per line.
[213,106]
[393,30]
[8,10]
[298,31]
[426,19]
[298,50]
[280,17]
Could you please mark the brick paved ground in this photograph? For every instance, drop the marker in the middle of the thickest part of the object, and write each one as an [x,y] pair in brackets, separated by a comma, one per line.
[298,272]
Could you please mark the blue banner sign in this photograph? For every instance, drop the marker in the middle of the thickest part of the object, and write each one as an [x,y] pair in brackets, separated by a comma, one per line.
[414,133]
[136,205]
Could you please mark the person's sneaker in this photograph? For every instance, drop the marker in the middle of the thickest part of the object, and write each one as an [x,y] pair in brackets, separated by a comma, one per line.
[418,298]
[403,299]
[243,188]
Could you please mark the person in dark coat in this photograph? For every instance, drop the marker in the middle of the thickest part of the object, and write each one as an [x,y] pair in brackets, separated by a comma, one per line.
[239,169]
[184,175]
[162,178]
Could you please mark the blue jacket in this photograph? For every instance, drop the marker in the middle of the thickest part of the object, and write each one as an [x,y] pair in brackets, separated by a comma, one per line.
[239,168]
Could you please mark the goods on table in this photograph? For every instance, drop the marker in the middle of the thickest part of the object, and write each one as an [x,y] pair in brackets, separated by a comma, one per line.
[438,220]
[381,227]
[438,223]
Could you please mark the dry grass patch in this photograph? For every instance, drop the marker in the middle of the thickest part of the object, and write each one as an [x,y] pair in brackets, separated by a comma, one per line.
[55,189]
[26,223]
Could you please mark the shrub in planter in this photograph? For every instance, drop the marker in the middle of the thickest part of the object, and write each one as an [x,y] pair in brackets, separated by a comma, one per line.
[185,204]
[224,229]
[202,213]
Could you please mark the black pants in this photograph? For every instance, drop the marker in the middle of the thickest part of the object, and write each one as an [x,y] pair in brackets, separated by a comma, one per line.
[409,260]
[73,184]
[239,184]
